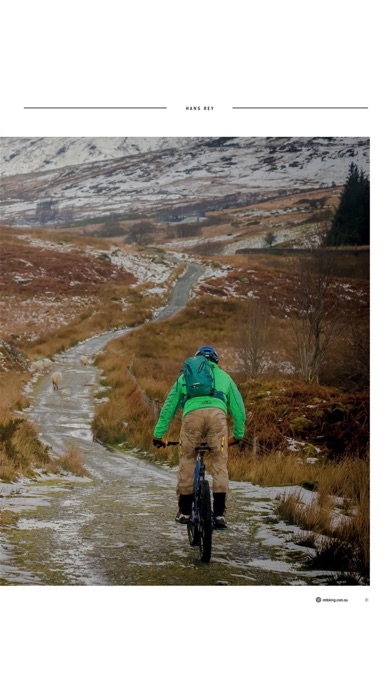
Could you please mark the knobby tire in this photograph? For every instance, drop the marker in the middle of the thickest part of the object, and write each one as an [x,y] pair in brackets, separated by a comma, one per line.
[205,522]
[193,533]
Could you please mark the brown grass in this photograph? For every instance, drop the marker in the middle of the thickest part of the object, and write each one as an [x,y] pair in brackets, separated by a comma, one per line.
[52,298]
[62,298]
[315,517]
[329,422]
[334,429]
[8,518]
[72,461]
[276,408]
[21,453]
[125,418]
[12,398]
[346,543]
[28,270]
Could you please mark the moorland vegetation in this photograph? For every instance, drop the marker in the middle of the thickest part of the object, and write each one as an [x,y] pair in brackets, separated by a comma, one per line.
[294,334]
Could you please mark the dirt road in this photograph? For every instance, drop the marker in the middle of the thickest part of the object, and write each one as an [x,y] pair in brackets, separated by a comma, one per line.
[117,527]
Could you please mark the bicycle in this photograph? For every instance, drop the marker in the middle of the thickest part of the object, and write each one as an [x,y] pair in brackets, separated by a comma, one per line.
[201,523]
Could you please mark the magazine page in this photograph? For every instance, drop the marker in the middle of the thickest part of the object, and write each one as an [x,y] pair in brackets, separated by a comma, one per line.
[185,347]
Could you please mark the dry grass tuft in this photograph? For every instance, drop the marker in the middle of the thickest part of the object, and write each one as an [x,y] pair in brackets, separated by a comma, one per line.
[72,461]
[12,398]
[8,518]
[20,450]
[345,542]
[315,517]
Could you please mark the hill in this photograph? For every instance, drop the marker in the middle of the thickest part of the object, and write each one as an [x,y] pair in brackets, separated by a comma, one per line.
[67,288]
[162,177]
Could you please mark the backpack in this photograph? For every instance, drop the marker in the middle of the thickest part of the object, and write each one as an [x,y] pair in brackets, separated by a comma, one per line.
[199,377]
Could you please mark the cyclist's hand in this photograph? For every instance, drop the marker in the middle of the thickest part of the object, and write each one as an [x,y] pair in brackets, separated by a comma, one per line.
[233,441]
[158,442]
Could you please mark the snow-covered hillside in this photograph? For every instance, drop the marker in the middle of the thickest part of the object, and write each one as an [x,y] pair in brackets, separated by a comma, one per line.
[27,155]
[84,177]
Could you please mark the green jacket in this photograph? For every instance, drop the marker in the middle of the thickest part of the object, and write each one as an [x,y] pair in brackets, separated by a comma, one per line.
[232,403]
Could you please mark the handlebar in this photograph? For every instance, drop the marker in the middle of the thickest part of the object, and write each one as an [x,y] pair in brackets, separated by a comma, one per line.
[200,448]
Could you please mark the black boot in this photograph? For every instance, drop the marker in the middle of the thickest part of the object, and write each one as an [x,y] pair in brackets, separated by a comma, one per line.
[219,504]
[185,503]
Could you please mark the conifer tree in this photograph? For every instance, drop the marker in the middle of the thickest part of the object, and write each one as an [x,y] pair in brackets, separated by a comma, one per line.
[351,223]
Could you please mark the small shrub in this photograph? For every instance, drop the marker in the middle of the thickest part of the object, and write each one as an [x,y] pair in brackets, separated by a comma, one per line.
[333,554]
[7,518]
[72,461]
[20,450]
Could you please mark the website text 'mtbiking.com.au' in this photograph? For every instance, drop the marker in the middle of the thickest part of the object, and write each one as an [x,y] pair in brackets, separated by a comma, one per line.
[318,599]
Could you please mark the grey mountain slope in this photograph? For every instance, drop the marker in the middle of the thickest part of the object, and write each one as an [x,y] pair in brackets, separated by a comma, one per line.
[98,176]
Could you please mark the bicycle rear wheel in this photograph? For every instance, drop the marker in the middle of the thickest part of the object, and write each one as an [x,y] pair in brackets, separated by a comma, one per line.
[205,522]
[193,533]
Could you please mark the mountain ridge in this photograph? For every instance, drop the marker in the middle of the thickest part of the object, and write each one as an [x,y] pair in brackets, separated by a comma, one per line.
[144,175]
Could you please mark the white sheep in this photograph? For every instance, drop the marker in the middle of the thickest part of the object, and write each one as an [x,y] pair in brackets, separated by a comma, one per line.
[84,360]
[57,378]
[41,365]
[36,366]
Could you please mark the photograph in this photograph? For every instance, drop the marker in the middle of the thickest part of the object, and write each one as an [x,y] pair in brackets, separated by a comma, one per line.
[185,361]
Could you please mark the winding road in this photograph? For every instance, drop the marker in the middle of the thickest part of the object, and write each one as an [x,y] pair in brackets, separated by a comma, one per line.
[117,527]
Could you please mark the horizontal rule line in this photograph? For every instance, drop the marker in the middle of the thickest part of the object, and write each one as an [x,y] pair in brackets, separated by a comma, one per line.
[300,107]
[165,107]
[95,107]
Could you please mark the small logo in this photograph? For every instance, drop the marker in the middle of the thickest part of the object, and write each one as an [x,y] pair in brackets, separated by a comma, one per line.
[318,599]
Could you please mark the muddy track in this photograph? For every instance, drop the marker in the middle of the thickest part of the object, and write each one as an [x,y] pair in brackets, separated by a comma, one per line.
[117,527]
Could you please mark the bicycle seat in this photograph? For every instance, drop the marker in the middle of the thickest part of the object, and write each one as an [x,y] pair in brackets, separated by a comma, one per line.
[203,447]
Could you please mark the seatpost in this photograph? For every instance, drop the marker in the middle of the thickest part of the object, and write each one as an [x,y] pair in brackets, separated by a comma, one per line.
[202,464]
[201,451]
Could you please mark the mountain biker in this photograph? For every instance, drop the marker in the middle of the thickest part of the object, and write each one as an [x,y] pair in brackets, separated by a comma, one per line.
[204,418]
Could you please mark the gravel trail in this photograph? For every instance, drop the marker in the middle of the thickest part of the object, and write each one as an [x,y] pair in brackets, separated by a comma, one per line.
[117,527]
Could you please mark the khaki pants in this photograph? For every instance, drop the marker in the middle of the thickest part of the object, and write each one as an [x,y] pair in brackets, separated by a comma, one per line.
[203,425]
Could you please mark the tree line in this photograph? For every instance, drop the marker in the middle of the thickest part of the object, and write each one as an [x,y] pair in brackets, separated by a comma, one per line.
[351,222]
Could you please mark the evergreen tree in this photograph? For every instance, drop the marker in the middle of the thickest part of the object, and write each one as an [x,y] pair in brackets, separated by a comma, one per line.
[351,223]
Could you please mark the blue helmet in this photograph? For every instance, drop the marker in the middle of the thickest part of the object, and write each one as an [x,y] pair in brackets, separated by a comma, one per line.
[208,353]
